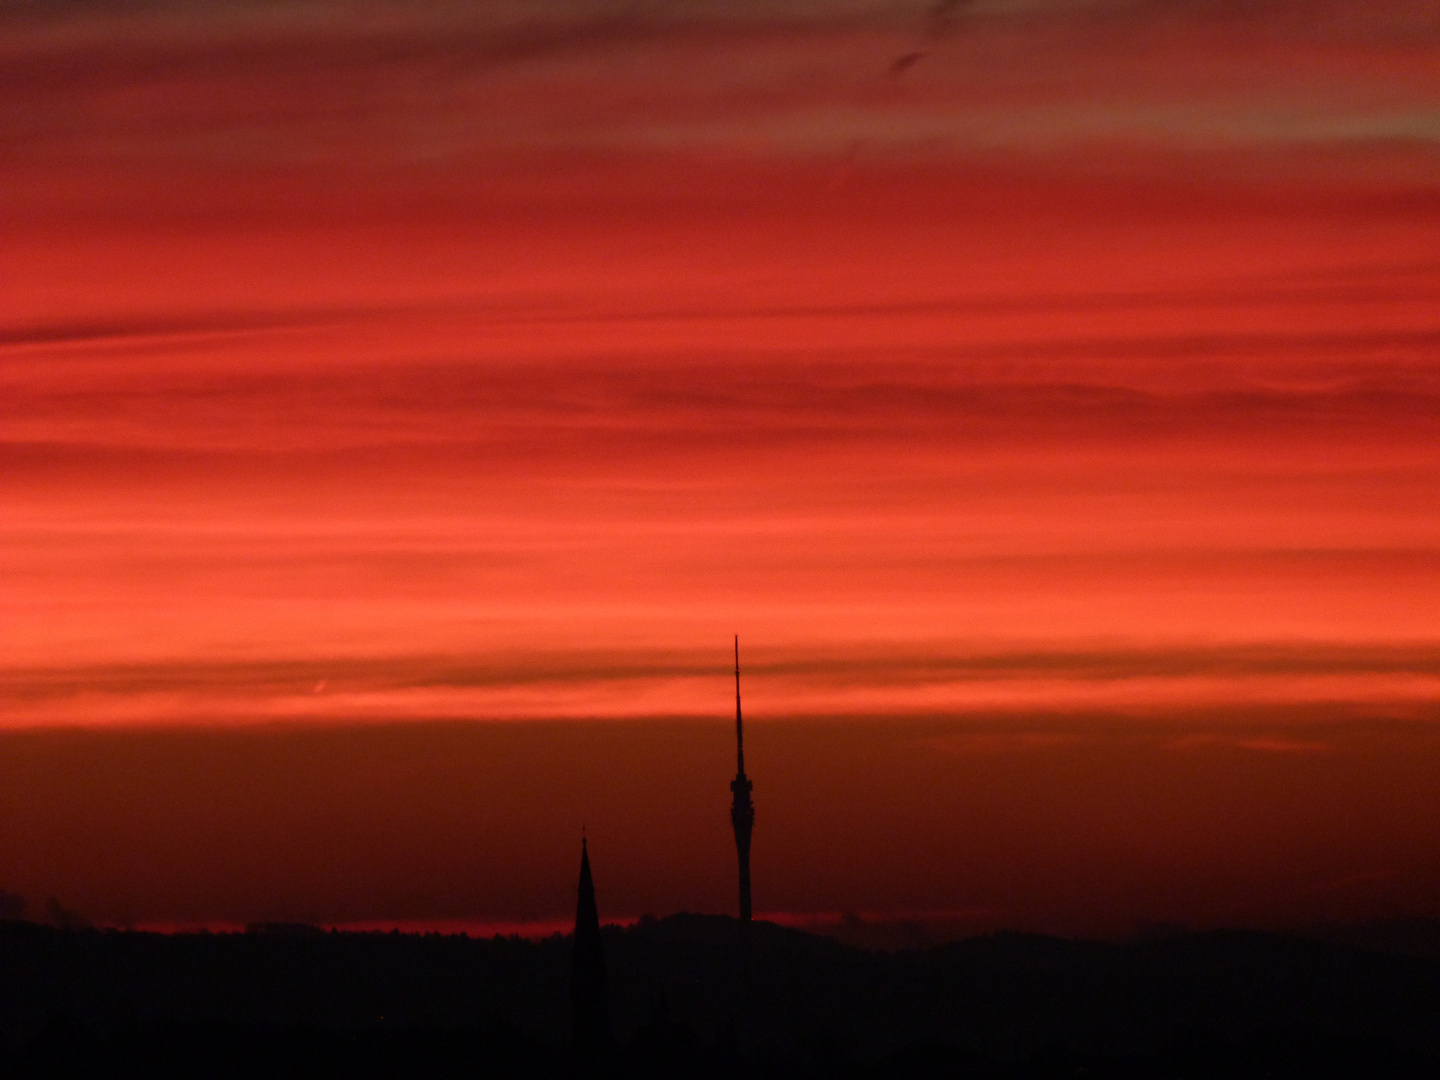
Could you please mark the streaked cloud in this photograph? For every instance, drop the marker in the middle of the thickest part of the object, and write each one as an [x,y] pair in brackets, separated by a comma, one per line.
[1262,744]
[783,685]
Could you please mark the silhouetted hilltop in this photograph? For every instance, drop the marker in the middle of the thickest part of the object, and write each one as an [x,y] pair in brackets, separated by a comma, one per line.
[1224,1003]
[1404,937]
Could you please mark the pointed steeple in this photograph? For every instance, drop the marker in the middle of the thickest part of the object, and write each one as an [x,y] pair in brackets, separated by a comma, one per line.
[587,913]
[742,813]
[589,991]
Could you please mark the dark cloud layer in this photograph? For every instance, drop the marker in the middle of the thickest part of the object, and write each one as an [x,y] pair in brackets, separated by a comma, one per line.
[239,84]
[594,407]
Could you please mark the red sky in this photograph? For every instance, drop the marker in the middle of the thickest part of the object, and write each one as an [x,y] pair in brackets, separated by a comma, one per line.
[1055,415]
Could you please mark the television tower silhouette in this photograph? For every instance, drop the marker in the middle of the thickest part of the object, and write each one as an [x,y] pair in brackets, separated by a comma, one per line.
[742,812]
[589,989]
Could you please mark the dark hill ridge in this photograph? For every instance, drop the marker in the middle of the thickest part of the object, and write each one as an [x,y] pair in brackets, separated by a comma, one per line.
[1404,936]
[1000,1005]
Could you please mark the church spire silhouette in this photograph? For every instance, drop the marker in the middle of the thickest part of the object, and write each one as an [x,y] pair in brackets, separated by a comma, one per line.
[589,990]
[742,813]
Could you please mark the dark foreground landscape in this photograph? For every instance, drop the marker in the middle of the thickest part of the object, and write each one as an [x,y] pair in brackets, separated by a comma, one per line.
[294,1001]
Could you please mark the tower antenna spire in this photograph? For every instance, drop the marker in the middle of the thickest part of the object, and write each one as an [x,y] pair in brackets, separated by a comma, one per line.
[739,725]
[742,810]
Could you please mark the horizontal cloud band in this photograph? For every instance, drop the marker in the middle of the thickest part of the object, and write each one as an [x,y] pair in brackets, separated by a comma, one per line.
[670,682]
